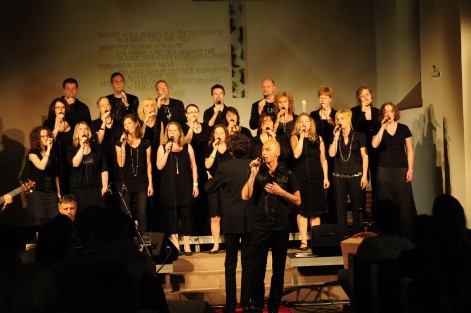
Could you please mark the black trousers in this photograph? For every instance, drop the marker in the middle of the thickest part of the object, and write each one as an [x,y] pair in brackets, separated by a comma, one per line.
[230,264]
[343,187]
[140,208]
[261,241]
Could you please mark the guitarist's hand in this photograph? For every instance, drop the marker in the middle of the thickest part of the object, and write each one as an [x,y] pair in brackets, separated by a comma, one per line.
[8,200]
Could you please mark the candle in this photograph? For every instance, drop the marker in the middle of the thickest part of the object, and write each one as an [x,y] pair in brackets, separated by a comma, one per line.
[304,105]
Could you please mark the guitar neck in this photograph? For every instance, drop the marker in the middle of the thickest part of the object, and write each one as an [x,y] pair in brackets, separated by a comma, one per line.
[12,193]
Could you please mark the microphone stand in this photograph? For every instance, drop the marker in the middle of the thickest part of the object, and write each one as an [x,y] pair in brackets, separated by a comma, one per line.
[141,240]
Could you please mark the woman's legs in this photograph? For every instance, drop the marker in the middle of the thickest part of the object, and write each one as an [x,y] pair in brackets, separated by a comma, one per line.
[215,231]
[302,226]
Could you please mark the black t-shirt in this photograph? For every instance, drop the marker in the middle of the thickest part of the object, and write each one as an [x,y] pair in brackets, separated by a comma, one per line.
[173,112]
[135,167]
[88,173]
[269,107]
[393,148]
[348,160]
[209,112]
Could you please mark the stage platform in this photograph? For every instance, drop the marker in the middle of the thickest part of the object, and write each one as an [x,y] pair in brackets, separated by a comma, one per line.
[201,277]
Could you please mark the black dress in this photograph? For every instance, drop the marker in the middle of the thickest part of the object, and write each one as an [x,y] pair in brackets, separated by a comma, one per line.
[199,210]
[214,198]
[308,171]
[176,189]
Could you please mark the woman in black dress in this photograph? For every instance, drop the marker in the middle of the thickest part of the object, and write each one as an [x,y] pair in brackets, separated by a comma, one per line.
[214,158]
[179,183]
[197,134]
[151,130]
[89,176]
[62,132]
[310,168]
[42,202]
[396,164]
[133,156]
[350,169]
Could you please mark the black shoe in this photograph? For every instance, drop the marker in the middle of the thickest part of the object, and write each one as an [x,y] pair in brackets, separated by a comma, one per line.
[188,253]
[213,252]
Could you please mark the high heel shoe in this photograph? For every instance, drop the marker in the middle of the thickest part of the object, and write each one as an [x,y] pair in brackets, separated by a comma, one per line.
[303,246]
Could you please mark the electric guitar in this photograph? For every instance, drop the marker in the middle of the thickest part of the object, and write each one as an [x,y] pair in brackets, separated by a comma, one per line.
[26,186]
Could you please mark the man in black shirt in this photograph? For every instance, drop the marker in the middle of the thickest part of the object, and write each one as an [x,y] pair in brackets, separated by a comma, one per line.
[267,104]
[77,111]
[122,103]
[216,114]
[170,110]
[275,192]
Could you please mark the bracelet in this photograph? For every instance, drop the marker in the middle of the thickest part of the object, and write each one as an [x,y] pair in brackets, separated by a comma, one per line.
[101,128]
[212,156]
[46,156]
[195,184]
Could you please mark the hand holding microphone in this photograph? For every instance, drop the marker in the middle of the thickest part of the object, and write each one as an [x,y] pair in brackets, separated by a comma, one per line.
[257,162]
[385,120]
[124,136]
[169,145]
[85,140]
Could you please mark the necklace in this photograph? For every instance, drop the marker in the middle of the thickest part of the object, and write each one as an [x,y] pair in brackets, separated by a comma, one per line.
[176,162]
[350,150]
[136,170]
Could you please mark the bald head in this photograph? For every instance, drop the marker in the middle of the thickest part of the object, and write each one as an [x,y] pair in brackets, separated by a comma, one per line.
[271,151]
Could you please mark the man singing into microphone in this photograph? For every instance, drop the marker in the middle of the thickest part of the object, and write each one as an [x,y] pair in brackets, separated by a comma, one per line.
[122,103]
[275,192]
[217,113]
[77,110]
[266,105]
[169,109]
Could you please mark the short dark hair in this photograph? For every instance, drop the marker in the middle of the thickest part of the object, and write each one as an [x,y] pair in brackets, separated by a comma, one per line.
[217,86]
[114,75]
[233,111]
[69,80]
[67,198]
[238,145]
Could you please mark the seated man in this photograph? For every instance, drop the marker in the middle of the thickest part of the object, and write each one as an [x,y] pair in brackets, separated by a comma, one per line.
[68,206]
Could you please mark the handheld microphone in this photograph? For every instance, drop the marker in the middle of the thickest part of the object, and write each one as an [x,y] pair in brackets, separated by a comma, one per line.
[265,96]
[217,141]
[170,138]
[267,129]
[218,101]
[232,121]
[120,89]
[260,159]
[72,96]
[339,127]
[86,141]
[282,111]
[106,111]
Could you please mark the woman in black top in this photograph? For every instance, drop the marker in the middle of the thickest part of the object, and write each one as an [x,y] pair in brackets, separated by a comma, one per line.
[365,120]
[179,184]
[197,134]
[43,200]
[232,123]
[133,155]
[350,168]
[215,156]
[151,130]
[62,133]
[395,164]
[89,176]
[285,117]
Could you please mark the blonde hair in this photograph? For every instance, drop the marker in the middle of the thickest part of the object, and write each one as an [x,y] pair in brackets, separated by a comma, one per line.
[181,139]
[347,114]
[75,138]
[312,135]
[140,109]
